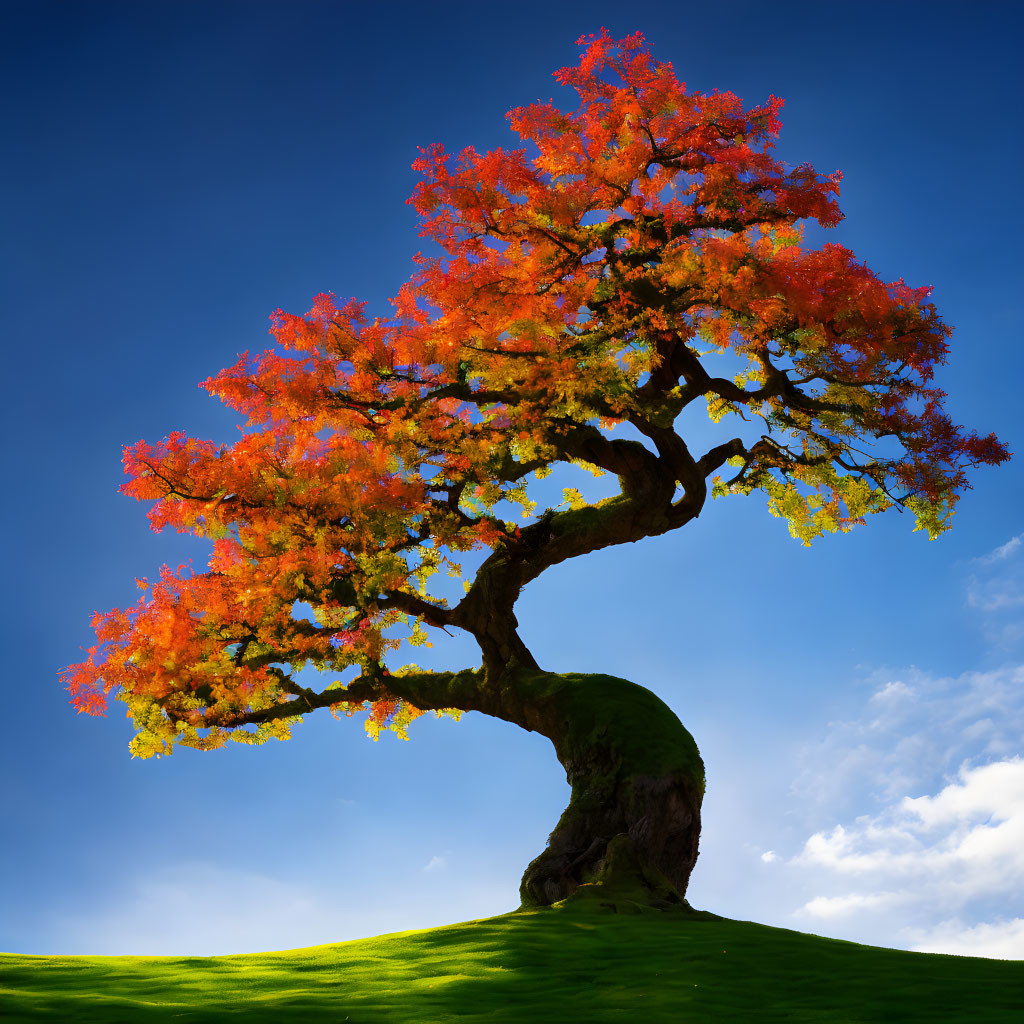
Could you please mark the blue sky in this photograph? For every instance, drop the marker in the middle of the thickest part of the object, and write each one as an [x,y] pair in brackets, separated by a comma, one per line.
[182,169]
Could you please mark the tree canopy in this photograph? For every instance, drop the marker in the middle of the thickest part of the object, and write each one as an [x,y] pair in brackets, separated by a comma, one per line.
[639,254]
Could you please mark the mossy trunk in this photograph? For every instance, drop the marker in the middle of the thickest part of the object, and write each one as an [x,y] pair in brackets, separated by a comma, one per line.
[630,833]
[629,836]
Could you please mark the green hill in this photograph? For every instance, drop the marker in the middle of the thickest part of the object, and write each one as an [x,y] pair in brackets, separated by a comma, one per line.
[564,964]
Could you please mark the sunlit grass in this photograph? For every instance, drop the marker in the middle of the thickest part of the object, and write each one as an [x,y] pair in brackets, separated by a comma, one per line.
[565,964]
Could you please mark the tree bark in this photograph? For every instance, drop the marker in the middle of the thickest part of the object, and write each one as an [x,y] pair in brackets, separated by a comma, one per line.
[629,836]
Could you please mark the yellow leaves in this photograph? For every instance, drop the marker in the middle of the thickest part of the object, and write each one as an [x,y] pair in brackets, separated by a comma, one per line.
[517,495]
[814,499]
[156,735]
[403,717]
[281,729]
[861,497]
[256,649]
[530,330]
[719,488]
[786,502]
[396,719]
[418,638]
[718,406]
[343,708]
[430,559]
[932,517]
[488,494]
[595,471]
[752,376]
[818,509]
[146,745]
[572,497]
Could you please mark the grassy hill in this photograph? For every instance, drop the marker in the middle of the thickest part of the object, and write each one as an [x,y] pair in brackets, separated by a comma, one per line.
[564,964]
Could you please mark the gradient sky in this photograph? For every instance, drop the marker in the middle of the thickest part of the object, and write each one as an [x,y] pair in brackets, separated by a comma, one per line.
[177,170]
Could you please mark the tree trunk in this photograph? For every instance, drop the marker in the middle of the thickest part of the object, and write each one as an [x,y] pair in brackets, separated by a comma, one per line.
[629,835]
[631,829]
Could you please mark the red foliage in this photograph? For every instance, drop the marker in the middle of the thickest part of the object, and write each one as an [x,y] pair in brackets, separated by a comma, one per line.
[583,279]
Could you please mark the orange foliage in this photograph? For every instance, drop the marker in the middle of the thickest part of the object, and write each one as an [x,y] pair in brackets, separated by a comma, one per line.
[629,238]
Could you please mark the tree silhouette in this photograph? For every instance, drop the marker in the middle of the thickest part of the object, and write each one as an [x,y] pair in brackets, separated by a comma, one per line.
[643,254]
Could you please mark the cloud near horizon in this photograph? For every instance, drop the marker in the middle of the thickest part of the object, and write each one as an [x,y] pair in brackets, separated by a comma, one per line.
[938,865]
[963,842]
[1001,940]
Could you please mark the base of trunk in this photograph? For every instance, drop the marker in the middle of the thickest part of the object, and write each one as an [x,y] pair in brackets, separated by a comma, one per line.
[623,885]
[629,837]
[646,864]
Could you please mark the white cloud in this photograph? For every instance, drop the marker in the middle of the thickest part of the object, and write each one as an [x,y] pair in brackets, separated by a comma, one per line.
[995,595]
[837,906]
[893,691]
[937,862]
[1000,939]
[991,791]
[965,841]
[912,737]
[434,863]
[903,814]
[1003,552]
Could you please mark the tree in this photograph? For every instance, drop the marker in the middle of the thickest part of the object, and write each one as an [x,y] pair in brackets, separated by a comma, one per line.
[645,254]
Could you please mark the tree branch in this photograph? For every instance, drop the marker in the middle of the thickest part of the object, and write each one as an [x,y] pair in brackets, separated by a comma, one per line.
[359,690]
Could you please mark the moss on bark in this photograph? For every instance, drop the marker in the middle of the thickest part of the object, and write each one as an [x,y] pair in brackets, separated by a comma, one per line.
[630,833]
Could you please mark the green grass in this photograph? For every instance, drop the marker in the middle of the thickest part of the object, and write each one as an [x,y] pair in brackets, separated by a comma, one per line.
[564,964]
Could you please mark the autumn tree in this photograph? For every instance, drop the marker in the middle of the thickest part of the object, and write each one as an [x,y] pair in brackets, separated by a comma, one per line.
[641,254]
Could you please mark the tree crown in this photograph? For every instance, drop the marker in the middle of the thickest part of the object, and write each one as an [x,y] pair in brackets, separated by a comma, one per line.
[597,282]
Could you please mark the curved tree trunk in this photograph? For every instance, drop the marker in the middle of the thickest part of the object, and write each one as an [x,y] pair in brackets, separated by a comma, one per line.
[630,833]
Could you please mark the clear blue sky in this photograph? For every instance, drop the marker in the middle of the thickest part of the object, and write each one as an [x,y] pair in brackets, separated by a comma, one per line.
[176,171]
